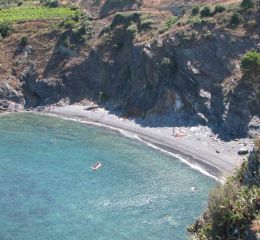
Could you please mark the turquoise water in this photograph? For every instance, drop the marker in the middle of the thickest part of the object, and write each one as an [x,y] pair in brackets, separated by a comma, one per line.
[48,191]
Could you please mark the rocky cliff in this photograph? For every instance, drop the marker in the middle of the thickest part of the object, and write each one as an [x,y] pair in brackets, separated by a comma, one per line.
[141,64]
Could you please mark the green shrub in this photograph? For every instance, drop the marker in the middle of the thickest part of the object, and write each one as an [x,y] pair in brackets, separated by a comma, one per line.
[190,36]
[24,41]
[235,19]
[20,3]
[205,12]
[230,210]
[69,23]
[250,65]
[146,23]
[50,3]
[219,9]
[233,206]
[5,28]
[251,24]
[132,28]
[195,10]
[168,24]
[125,19]
[246,4]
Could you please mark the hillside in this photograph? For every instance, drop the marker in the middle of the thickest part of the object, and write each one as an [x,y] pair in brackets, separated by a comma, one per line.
[141,62]
[195,61]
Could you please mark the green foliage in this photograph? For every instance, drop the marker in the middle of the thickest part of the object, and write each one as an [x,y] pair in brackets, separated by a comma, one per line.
[235,19]
[251,24]
[205,12]
[219,9]
[68,23]
[250,65]
[232,207]
[195,10]
[5,28]
[24,41]
[16,14]
[79,27]
[171,21]
[169,24]
[197,20]
[133,22]
[190,36]
[132,28]
[246,4]
[146,23]
[125,19]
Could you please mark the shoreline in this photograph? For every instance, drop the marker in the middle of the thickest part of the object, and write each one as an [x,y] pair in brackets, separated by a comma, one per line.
[209,171]
[193,149]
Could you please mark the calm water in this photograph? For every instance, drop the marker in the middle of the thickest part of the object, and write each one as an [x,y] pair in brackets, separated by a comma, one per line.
[48,191]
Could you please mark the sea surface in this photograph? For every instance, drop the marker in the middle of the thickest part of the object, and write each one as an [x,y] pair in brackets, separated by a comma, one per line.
[49,192]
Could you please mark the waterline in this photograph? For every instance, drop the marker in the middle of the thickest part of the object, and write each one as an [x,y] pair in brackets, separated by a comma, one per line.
[135,136]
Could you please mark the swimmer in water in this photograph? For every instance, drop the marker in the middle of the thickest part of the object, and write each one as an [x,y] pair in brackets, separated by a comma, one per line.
[194,189]
[96,166]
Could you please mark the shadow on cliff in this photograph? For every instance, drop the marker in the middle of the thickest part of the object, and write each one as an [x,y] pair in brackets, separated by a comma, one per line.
[129,84]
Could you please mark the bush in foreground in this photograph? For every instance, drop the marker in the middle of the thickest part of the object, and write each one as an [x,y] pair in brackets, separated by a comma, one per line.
[233,208]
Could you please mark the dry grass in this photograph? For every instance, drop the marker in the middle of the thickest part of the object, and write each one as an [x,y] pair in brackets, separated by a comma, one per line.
[257,142]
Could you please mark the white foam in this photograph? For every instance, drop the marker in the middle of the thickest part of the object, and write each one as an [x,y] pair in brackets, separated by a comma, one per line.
[191,165]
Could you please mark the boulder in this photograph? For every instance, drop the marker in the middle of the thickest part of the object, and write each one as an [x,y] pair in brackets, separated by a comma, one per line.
[243,151]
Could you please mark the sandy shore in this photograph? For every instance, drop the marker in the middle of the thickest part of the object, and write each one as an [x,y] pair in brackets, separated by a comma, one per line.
[196,146]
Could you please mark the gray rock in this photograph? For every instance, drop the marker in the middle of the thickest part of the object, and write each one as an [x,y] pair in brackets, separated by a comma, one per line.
[243,151]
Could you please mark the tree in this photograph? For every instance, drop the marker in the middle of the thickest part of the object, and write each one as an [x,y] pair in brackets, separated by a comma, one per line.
[246,4]
[250,65]
[205,12]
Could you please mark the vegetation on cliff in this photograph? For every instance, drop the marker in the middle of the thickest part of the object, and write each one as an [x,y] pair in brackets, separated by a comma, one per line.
[234,208]
[34,13]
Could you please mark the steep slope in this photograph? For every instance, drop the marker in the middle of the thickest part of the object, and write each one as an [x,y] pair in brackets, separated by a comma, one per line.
[143,63]
[234,209]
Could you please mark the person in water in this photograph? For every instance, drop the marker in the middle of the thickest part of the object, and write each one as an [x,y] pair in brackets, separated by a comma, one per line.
[194,189]
[96,166]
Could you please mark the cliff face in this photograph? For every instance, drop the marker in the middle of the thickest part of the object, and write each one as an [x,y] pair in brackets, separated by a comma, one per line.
[192,71]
